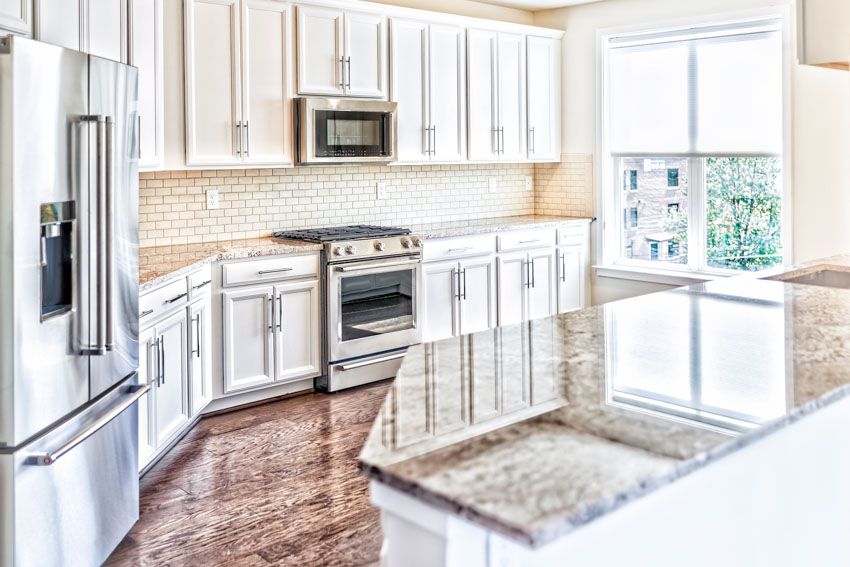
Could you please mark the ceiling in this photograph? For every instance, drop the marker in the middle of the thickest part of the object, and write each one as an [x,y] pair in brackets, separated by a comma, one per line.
[534,5]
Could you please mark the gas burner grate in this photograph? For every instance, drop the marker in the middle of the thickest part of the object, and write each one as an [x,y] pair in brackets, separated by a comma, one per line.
[333,233]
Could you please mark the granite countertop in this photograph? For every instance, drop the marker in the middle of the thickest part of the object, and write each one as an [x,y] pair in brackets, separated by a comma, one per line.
[483,226]
[159,264]
[533,430]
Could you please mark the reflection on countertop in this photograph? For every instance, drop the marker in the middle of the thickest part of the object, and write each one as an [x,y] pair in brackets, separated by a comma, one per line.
[469,227]
[158,264]
[535,429]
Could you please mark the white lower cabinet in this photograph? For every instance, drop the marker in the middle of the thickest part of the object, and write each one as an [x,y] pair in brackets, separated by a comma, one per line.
[571,278]
[200,356]
[171,395]
[271,334]
[147,371]
[526,286]
[460,297]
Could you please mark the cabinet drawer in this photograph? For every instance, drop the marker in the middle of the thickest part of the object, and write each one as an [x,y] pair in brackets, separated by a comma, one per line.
[521,239]
[273,269]
[200,283]
[572,235]
[446,248]
[162,300]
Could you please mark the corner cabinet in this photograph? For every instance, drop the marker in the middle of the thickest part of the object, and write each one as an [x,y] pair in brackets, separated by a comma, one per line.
[428,82]
[237,99]
[496,85]
[341,53]
[543,63]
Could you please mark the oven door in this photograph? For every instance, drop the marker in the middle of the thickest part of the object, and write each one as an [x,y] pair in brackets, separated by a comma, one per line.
[373,306]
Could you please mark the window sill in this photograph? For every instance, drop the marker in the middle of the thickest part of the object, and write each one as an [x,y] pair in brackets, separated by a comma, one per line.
[654,275]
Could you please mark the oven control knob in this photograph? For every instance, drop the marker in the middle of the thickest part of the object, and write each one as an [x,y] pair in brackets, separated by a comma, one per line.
[339,251]
[380,246]
[406,242]
[417,242]
[351,249]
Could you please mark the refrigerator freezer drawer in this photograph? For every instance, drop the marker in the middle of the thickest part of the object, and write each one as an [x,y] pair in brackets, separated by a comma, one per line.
[76,509]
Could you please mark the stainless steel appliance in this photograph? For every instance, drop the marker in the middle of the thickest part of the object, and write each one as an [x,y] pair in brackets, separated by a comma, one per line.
[68,305]
[372,278]
[338,130]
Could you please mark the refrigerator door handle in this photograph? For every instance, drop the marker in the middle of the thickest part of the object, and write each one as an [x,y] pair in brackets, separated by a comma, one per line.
[50,457]
[99,346]
[109,126]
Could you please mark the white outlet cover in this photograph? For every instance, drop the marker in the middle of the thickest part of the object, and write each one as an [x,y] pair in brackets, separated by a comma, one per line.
[492,185]
[212,199]
[381,191]
[529,183]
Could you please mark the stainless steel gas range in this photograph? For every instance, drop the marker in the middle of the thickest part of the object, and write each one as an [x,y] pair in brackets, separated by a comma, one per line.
[372,308]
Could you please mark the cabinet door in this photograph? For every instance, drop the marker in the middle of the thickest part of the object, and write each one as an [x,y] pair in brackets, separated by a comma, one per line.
[409,87]
[447,93]
[247,335]
[16,16]
[439,283]
[481,94]
[147,375]
[477,295]
[107,29]
[200,356]
[511,96]
[266,104]
[571,280]
[511,273]
[171,397]
[364,54]
[320,58]
[297,331]
[146,54]
[541,291]
[212,82]
[60,22]
[544,116]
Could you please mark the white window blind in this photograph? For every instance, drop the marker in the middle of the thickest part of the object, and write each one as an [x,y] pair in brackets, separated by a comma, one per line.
[690,93]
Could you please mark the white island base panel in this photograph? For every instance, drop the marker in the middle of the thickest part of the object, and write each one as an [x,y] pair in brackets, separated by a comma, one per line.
[783,500]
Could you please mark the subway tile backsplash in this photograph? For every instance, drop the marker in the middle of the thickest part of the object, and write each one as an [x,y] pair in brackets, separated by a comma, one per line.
[255,202]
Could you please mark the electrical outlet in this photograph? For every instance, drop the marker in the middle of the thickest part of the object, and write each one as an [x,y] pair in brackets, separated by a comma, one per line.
[212,199]
[381,191]
[529,183]
[492,185]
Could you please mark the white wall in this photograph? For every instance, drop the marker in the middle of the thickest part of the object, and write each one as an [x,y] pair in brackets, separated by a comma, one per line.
[820,125]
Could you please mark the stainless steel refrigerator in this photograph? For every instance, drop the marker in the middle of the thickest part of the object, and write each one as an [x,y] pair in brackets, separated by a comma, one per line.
[68,305]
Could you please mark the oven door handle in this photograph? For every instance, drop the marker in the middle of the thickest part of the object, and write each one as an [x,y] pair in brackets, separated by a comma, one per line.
[373,266]
[369,362]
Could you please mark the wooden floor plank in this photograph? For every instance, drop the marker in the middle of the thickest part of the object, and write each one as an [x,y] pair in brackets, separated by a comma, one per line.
[268,485]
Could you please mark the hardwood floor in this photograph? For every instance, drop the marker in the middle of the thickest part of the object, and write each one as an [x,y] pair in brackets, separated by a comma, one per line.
[275,484]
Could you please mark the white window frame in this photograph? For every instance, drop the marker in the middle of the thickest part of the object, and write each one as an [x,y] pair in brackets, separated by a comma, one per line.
[610,261]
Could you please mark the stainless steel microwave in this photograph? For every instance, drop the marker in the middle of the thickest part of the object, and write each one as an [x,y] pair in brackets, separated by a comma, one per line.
[338,130]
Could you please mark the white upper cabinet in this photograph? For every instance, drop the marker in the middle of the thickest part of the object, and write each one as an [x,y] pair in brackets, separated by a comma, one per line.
[496,83]
[16,16]
[824,32]
[237,106]
[320,51]
[146,44]
[511,96]
[341,53]
[98,27]
[427,82]
[543,56]
[266,104]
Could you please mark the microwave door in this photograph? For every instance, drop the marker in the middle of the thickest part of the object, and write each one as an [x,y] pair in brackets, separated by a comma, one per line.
[42,99]
[113,217]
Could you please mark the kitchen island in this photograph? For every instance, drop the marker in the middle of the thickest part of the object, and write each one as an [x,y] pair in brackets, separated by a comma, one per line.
[705,425]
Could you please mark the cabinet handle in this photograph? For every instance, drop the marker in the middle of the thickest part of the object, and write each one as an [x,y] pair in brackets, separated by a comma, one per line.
[464,283]
[434,140]
[496,132]
[247,140]
[162,361]
[456,275]
[280,312]
[527,274]
[342,72]
[427,140]
[276,271]
[532,272]
[153,353]
[563,268]
[239,135]
[348,64]
[145,313]
[203,284]
[176,298]
[197,320]
[531,133]
[271,314]
[529,241]
[463,249]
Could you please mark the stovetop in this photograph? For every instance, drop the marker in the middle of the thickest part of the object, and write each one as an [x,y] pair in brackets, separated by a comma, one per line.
[335,233]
